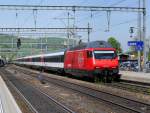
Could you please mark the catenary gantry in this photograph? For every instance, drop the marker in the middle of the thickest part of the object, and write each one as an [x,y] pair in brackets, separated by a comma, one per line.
[70,8]
[44,29]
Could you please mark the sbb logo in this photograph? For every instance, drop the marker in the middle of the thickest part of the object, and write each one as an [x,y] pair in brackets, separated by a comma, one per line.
[80,59]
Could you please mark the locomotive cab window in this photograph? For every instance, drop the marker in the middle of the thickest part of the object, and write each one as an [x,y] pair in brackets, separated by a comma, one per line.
[104,54]
[89,54]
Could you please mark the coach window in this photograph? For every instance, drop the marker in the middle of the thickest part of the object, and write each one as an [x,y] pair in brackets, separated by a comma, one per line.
[45,59]
[61,58]
[58,58]
[50,59]
[38,59]
[35,59]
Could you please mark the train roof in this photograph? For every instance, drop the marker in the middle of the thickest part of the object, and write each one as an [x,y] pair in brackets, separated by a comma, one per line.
[94,44]
[43,55]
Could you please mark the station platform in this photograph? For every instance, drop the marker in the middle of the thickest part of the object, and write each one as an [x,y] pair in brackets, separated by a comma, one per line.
[7,102]
[135,76]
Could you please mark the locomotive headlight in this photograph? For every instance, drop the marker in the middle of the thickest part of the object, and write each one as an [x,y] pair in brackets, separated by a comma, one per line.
[97,67]
[115,70]
[114,67]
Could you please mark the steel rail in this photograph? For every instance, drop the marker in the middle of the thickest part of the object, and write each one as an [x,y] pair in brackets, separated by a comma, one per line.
[89,94]
[58,103]
[17,90]
[103,99]
[134,87]
[136,82]
[52,99]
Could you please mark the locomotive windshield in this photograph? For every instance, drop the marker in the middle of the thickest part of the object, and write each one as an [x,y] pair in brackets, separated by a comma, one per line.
[104,54]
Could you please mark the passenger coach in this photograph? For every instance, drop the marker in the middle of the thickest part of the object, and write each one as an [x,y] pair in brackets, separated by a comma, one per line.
[51,61]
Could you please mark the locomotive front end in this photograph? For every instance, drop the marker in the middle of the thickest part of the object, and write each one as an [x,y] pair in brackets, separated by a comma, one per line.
[105,63]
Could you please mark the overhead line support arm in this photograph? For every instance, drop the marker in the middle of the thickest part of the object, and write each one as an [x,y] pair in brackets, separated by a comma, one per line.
[43,29]
[70,8]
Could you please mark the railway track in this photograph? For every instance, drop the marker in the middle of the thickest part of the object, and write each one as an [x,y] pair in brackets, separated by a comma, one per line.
[123,103]
[11,85]
[131,86]
[36,99]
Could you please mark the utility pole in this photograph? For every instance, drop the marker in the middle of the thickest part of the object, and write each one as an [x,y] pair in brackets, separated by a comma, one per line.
[0,51]
[88,32]
[12,41]
[31,50]
[139,37]
[144,34]
[68,30]
[46,43]
[74,23]
[41,46]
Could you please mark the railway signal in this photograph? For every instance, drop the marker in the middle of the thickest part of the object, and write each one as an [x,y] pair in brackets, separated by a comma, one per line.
[131,31]
[18,43]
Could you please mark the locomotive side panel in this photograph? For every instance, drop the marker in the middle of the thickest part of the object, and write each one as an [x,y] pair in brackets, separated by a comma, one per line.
[79,61]
[90,61]
[68,60]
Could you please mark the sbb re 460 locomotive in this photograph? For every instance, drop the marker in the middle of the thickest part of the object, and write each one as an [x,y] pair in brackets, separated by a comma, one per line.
[92,60]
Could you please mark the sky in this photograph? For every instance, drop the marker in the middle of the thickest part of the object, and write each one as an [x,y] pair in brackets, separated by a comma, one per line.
[120,22]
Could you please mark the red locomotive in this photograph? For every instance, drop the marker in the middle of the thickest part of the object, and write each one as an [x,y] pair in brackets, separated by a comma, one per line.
[93,60]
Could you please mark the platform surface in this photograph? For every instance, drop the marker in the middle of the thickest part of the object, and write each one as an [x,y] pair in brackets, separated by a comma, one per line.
[7,102]
[135,76]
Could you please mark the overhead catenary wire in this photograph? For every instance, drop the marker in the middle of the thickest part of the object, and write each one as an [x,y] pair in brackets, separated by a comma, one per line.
[119,2]
[108,15]
[41,1]
[97,13]
[26,19]
[121,23]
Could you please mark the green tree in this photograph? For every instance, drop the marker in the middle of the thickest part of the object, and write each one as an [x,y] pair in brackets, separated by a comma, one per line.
[115,44]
